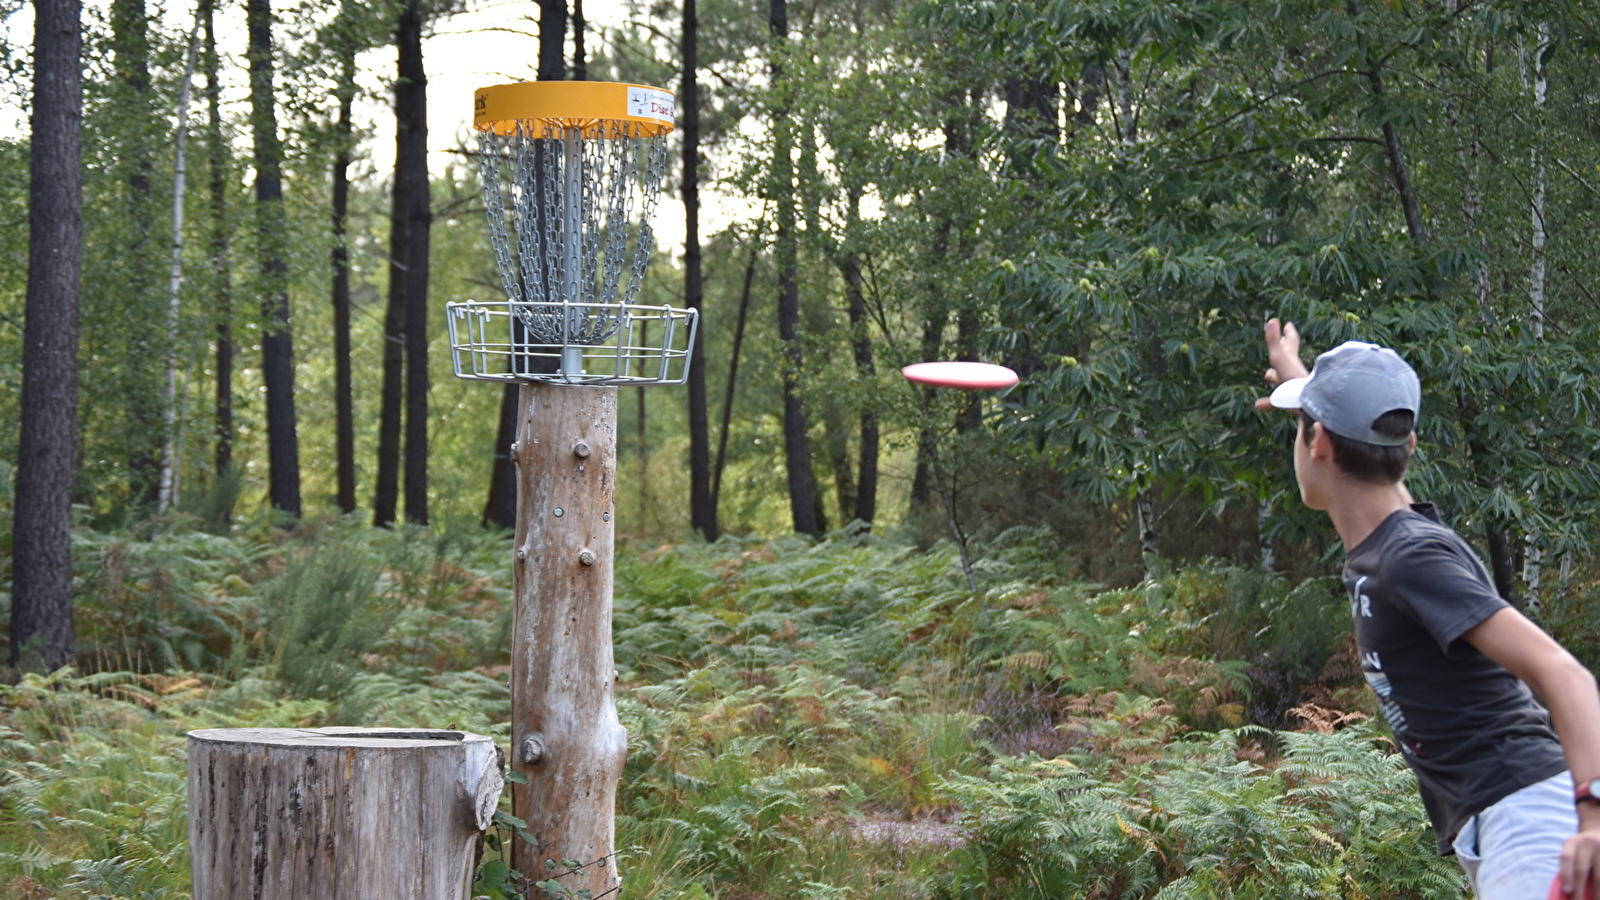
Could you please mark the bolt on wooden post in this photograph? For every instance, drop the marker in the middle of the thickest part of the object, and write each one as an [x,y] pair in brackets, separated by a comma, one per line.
[571,172]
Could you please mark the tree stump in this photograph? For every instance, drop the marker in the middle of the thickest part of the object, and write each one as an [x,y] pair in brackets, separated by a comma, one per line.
[565,734]
[292,813]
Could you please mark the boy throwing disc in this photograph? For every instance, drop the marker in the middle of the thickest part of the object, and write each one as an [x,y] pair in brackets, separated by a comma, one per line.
[1452,663]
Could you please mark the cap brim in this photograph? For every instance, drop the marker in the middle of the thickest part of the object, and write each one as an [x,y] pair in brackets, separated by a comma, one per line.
[1287,395]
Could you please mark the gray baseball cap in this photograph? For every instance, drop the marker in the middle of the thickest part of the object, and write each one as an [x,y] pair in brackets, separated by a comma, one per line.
[1352,385]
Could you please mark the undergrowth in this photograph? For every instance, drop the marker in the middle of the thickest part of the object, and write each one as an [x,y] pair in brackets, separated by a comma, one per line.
[813,720]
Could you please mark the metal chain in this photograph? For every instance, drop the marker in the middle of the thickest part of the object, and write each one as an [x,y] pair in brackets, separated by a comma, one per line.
[524,179]
[489,161]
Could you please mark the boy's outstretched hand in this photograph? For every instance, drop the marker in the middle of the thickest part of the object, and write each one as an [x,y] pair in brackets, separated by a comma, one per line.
[1283,352]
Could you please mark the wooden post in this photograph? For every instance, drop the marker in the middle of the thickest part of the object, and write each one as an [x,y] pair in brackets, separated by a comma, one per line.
[565,734]
[338,813]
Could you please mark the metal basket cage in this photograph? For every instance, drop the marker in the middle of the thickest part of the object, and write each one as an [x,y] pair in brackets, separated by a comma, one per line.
[492,342]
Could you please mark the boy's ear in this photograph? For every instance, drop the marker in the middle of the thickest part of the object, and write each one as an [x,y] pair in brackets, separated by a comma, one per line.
[1321,445]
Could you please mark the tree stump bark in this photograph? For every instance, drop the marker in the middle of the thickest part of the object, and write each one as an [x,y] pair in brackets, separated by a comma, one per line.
[565,734]
[291,813]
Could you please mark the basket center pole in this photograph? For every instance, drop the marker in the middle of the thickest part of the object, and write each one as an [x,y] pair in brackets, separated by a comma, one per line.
[571,248]
[566,737]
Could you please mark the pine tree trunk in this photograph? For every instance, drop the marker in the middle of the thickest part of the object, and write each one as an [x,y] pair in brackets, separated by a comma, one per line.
[277,345]
[580,55]
[796,431]
[866,500]
[932,339]
[412,218]
[1394,153]
[221,269]
[733,380]
[343,391]
[137,312]
[386,494]
[552,40]
[41,628]
[702,511]
[500,510]
[500,507]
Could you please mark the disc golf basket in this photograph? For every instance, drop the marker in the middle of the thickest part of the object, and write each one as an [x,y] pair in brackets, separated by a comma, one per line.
[571,172]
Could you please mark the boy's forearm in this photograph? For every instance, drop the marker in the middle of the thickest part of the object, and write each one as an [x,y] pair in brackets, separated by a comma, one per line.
[1574,704]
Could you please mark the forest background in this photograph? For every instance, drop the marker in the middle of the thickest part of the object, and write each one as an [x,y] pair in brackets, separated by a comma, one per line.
[1110,196]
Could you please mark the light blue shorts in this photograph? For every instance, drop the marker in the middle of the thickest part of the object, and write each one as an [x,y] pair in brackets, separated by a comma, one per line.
[1512,850]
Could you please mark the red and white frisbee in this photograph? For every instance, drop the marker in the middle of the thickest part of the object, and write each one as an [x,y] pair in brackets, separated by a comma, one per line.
[963,376]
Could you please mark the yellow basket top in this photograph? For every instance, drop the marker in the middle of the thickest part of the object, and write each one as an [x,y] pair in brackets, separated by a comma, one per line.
[593,106]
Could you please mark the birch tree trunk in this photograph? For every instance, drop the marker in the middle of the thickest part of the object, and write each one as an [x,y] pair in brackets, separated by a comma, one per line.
[338,813]
[566,737]
[169,445]
[1533,556]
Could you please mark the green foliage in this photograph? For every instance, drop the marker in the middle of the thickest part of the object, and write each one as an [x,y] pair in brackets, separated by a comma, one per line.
[804,719]
[1201,818]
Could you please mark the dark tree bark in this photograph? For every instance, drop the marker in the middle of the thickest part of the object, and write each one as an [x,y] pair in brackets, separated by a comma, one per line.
[1393,152]
[836,450]
[580,57]
[933,323]
[702,508]
[733,379]
[42,636]
[552,40]
[412,218]
[970,419]
[221,270]
[137,313]
[866,499]
[501,507]
[796,431]
[343,399]
[936,304]
[277,344]
[386,492]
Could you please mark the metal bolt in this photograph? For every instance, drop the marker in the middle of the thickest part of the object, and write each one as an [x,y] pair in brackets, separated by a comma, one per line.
[605,517]
[587,557]
[560,512]
[601,862]
[581,449]
[532,748]
[522,554]
[515,447]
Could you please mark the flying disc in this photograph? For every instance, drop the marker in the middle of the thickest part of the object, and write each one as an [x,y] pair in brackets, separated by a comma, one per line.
[963,376]
[1557,894]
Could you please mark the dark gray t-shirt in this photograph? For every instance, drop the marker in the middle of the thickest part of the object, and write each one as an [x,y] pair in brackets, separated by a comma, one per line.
[1472,732]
